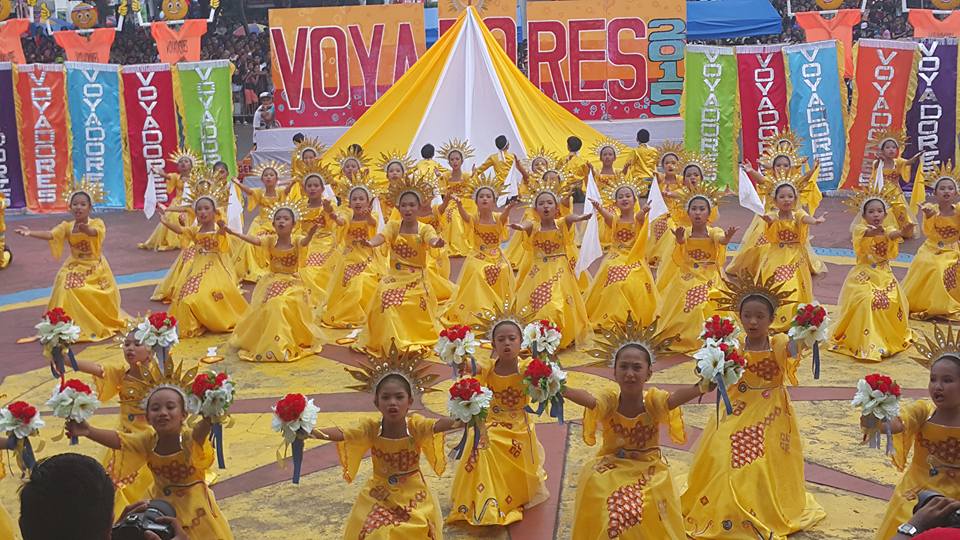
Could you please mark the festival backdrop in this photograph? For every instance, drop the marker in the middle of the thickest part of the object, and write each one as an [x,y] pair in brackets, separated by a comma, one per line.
[710,115]
[41,105]
[11,176]
[98,129]
[151,127]
[616,59]
[818,104]
[763,96]
[885,81]
[500,16]
[205,103]
[355,53]
[932,120]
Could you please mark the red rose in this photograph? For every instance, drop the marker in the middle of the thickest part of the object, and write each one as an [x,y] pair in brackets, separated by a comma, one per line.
[895,390]
[56,316]
[465,389]
[77,385]
[160,320]
[537,370]
[218,382]
[291,407]
[22,411]
[201,384]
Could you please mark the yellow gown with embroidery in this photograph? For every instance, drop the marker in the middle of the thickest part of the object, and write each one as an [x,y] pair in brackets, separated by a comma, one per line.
[935,464]
[404,306]
[179,480]
[549,286]
[504,475]
[624,282]
[746,480]
[249,263]
[662,242]
[162,238]
[931,284]
[438,259]
[486,278]
[395,503]
[899,210]
[785,258]
[355,277]
[690,279]
[165,289]
[278,326]
[207,298]
[85,287]
[457,233]
[320,262]
[626,491]
[8,527]
[516,253]
[873,322]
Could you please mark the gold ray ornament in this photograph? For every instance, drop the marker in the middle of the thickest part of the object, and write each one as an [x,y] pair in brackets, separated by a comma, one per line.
[898,136]
[556,184]
[670,148]
[410,364]
[185,153]
[946,171]
[456,145]
[396,156]
[150,377]
[317,168]
[537,155]
[91,189]
[943,344]
[309,143]
[707,166]
[703,190]
[418,184]
[490,318]
[361,180]
[298,207]
[888,194]
[479,181]
[282,170]
[606,142]
[614,338]
[354,153]
[739,288]
[609,189]
[773,180]
[785,144]
[204,184]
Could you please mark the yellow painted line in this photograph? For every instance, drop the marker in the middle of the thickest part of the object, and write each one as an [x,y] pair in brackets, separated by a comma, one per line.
[43,301]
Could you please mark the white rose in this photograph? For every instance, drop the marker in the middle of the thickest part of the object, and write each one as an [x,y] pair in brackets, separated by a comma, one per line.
[307,422]
[531,333]
[84,405]
[9,423]
[710,361]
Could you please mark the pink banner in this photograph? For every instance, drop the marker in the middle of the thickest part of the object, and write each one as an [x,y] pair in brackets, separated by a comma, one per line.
[763,96]
[151,126]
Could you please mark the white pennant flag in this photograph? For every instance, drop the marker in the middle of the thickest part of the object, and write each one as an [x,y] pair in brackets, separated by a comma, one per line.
[658,206]
[235,209]
[381,224]
[590,248]
[328,193]
[150,196]
[749,198]
[511,186]
[878,179]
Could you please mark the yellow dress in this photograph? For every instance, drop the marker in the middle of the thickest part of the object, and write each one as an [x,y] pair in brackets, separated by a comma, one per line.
[249,264]
[207,298]
[132,480]
[504,475]
[873,322]
[179,480]
[626,490]
[165,289]
[162,238]
[662,242]
[500,162]
[457,233]
[358,269]
[624,282]
[396,502]
[690,279]
[935,465]
[404,306]
[320,262]
[900,211]
[516,253]
[746,479]
[85,287]
[931,284]
[438,259]
[6,525]
[486,278]
[549,285]
[786,260]
[643,161]
[278,326]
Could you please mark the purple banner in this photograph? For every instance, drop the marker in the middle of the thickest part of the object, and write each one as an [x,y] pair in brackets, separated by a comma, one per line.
[932,120]
[11,176]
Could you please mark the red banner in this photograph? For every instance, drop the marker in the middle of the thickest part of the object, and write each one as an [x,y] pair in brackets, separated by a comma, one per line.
[500,16]
[151,126]
[886,75]
[44,134]
[763,96]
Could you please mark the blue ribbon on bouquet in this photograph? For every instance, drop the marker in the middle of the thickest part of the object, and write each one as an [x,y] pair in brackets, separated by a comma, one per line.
[59,360]
[162,353]
[556,408]
[473,368]
[297,446]
[457,451]
[216,434]
[722,395]
[542,406]
[873,440]
[816,360]
[23,446]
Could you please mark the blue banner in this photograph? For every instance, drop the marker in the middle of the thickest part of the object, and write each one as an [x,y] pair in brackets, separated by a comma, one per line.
[818,105]
[97,121]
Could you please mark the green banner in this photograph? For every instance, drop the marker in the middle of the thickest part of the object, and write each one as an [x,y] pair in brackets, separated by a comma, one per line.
[205,104]
[710,109]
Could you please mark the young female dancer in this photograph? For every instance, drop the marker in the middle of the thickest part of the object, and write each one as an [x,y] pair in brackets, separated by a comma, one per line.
[669,180]
[250,265]
[455,182]
[538,162]
[352,162]
[896,171]
[306,156]
[320,215]
[162,238]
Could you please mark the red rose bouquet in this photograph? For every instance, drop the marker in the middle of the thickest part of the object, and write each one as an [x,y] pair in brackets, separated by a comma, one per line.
[73,400]
[211,395]
[545,383]
[19,421]
[159,332]
[295,417]
[455,345]
[878,397]
[57,331]
[809,327]
[469,403]
[720,360]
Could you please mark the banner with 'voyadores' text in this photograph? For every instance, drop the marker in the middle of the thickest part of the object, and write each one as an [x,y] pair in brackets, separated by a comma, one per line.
[763,96]
[41,104]
[710,108]
[932,120]
[11,175]
[151,127]
[205,103]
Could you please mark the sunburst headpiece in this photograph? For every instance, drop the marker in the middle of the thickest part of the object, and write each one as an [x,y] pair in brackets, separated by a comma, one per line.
[309,143]
[352,153]
[703,190]
[456,145]
[887,195]
[361,180]
[479,181]
[897,136]
[775,179]
[150,377]
[410,364]
[946,171]
[185,153]
[670,148]
[537,155]
[490,318]
[90,188]
[411,182]
[204,184]
[943,344]
[606,142]
[297,207]
[281,169]
[707,165]
[614,338]
[740,288]
[556,184]
[609,189]
[396,156]
[317,168]
[785,144]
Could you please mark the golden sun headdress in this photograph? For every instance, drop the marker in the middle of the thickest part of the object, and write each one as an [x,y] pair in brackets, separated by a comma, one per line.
[456,145]
[354,153]
[150,377]
[946,171]
[943,344]
[897,136]
[606,142]
[775,179]
[204,184]
[670,148]
[785,144]
[479,181]
[411,182]
[887,195]
[539,153]
[741,288]
[609,189]
[614,338]
[281,169]
[297,207]
[490,318]
[185,153]
[410,364]
[560,186]
[361,180]
[396,156]
[707,166]
[309,143]
[90,188]
[317,168]
[703,190]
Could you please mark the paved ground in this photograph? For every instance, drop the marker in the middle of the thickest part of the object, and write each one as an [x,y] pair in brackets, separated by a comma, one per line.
[852,482]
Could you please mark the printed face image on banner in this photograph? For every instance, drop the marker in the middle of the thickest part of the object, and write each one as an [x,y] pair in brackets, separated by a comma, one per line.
[331,64]
[618,59]
[500,16]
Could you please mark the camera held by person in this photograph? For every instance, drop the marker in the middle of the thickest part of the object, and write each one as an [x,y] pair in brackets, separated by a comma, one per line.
[933,512]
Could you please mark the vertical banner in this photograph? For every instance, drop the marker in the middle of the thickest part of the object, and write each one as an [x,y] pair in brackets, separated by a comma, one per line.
[42,115]
[11,175]
[709,108]
[97,125]
[763,95]
[932,120]
[884,84]
[151,127]
[500,16]
[205,103]
[818,105]
[610,60]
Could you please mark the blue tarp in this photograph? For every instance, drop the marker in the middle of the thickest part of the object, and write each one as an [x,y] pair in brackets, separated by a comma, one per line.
[716,19]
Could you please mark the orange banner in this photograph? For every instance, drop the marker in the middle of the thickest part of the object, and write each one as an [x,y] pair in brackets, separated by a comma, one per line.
[500,16]
[354,53]
[41,103]
[609,60]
